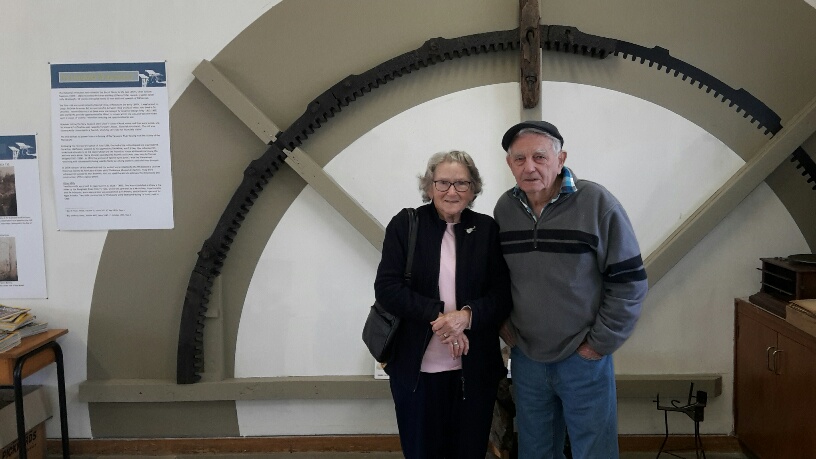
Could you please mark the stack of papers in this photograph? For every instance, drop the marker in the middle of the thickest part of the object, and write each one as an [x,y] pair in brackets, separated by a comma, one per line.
[10,312]
[32,328]
[8,340]
[802,315]
[12,318]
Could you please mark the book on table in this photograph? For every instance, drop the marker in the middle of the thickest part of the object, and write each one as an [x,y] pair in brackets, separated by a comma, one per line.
[8,340]
[33,328]
[16,322]
[11,312]
[13,318]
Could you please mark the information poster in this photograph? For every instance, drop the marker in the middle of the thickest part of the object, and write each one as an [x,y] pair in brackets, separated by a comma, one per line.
[22,259]
[111,140]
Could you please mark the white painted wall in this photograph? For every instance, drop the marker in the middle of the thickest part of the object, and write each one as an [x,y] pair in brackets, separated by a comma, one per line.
[36,32]
[660,166]
[687,316]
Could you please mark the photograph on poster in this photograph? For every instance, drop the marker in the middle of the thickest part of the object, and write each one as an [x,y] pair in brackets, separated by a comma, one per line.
[22,260]
[8,259]
[8,192]
[18,149]
[151,78]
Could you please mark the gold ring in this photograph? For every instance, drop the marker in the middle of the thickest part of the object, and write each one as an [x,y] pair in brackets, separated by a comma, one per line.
[456,343]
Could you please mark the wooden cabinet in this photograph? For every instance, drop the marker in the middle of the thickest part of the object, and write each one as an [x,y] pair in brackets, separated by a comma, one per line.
[774,385]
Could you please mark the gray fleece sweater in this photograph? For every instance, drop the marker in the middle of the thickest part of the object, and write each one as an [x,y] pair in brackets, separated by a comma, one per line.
[576,273]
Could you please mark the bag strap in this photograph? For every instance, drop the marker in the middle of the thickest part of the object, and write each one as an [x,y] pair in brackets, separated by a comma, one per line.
[413,222]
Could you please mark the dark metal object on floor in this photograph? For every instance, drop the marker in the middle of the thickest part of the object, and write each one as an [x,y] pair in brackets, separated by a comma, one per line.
[694,409]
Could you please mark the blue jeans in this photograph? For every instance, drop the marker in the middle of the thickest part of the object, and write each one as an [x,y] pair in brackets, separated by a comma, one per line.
[575,393]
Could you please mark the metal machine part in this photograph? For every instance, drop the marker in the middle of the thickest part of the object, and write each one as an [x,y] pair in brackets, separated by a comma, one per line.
[805,162]
[555,38]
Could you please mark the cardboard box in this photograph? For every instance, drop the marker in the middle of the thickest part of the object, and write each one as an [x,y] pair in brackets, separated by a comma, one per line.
[802,315]
[35,445]
[37,408]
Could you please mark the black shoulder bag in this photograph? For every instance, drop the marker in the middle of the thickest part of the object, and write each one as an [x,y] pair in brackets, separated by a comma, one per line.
[381,326]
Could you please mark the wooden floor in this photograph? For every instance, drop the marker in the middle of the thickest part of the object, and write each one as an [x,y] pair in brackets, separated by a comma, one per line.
[378,455]
[346,447]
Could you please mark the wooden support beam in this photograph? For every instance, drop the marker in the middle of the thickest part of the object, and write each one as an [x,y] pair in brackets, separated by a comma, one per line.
[223,89]
[310,171]
[728,197]
[530,46]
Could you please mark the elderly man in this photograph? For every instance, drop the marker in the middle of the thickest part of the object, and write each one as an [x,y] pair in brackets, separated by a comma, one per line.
[578,283]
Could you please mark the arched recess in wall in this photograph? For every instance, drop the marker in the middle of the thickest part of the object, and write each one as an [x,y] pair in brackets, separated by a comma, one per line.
[211,148]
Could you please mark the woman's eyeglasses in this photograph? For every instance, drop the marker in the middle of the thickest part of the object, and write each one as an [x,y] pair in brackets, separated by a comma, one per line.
[444,185]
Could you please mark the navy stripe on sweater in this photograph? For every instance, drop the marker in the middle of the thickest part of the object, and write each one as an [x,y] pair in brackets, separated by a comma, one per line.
[630,270]
[573,236]
[510,248]
[548,240]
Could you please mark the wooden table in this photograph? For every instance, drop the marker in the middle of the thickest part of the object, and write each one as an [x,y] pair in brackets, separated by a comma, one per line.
[33,354]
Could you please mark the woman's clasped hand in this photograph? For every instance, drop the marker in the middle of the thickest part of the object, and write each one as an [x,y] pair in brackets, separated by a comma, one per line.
[450,328]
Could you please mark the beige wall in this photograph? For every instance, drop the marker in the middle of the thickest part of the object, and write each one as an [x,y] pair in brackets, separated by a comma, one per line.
[300,48]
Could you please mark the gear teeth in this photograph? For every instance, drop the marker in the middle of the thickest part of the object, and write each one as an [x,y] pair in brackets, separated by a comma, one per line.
[745,102]
[211,259]
[331,102]
[259,172]
[348,90]
[571,40]
[805,162]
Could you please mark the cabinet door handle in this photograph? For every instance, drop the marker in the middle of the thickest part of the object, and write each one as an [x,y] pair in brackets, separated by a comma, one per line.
[777,366]
[768,359]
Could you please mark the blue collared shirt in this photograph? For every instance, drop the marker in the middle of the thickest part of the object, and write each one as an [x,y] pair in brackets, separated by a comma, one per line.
[567,187]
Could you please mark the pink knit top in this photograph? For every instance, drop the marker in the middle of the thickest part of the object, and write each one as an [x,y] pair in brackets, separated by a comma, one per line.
[437,356]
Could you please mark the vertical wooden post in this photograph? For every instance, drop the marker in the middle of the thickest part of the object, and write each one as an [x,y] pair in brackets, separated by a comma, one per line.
[530,46]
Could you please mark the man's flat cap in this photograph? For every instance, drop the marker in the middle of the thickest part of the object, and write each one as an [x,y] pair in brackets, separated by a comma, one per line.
[537,125]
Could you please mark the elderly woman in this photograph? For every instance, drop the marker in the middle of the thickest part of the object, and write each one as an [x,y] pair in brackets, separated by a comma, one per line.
[446,363]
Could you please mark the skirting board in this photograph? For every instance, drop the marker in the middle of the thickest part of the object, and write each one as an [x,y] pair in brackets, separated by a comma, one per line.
[343,443]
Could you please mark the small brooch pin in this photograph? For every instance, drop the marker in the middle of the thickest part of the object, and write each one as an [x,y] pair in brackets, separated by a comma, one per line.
[470,230]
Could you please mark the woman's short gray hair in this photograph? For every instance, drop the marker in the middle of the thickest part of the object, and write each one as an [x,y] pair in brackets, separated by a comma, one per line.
[453,156]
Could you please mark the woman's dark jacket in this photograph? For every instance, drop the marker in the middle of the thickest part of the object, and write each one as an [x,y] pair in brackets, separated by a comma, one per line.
[482,282]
